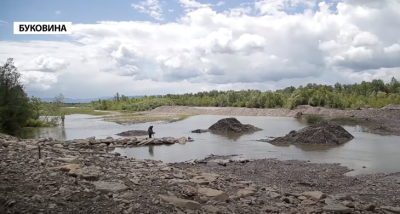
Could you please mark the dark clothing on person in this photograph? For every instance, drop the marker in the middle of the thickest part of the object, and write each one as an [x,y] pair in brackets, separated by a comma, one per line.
[150,131]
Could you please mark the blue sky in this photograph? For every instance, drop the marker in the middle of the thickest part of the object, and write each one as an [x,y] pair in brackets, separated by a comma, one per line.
[90,11]
[87,11]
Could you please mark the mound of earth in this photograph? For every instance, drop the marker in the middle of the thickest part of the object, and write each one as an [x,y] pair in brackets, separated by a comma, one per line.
[133,133]
[323,133]
[228,125]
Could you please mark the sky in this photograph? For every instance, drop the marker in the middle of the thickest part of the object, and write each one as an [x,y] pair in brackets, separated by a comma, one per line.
[179,46]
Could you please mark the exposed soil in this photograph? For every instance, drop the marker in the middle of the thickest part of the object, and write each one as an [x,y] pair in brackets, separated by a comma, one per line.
[323,133]
[133,133]
[76,180]
[379,121]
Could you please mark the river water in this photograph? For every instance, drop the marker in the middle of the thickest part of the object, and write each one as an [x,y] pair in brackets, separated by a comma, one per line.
[367,153]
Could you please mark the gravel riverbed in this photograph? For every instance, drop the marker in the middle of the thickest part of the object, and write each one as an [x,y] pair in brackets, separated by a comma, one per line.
[82,180]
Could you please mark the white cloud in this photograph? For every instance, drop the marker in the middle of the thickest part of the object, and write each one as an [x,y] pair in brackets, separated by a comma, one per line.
[151,7]
[220,3]
[58,12]
[190,5]
[3,22]
[206,49]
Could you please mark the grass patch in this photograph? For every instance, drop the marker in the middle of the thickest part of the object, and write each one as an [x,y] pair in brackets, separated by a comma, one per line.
[312,119]
[69,111]
[344,119]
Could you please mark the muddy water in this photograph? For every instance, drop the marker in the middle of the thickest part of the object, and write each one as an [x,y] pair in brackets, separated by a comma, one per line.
[365,154]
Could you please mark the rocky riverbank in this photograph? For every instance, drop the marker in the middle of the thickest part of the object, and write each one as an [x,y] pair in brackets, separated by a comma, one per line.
[379,121]
[106,144]
[83,180]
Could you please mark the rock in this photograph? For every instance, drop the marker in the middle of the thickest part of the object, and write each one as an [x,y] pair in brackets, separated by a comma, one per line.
[66,168]
[81,142]
[169,140]
[182,140]
[204,178]
[68,160]
[274,195]
[395,210]
[211,209]
[9,142]
[244,193]
[109,187]
[302,198]
[189,190]
[146,142]
[107,141]
[270,209]
[183,203]
[370,207]
[31,147]
[308,202]
[344,197]
[317,195]
[58,145]
[337,208]
[348,204]
[217,194]
[200,131]
[87,173]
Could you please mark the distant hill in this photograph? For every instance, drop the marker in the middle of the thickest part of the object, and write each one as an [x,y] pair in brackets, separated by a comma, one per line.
[87,100]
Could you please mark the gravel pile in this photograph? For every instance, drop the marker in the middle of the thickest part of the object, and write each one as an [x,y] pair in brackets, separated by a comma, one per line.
[323,133]
[232,125]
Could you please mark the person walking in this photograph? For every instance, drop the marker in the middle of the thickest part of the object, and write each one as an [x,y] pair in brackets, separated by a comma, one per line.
[150,131]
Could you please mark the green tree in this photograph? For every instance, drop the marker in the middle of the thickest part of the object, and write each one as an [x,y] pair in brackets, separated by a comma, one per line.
[14,103]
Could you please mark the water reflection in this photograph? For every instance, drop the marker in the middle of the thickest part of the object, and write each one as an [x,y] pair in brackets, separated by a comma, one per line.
[151,150]
[54,132]
[234,136]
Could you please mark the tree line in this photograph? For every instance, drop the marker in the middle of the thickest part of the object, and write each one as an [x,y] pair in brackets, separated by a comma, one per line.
[375,93]
[17,109]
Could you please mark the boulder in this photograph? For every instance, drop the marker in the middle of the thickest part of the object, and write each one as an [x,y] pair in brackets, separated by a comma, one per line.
[182,203]
[109,187]
[182,140]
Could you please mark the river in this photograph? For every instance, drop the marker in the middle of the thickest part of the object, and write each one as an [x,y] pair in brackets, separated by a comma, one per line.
[367,153]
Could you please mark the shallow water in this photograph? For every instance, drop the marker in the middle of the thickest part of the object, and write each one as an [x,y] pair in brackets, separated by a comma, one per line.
[374,152]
